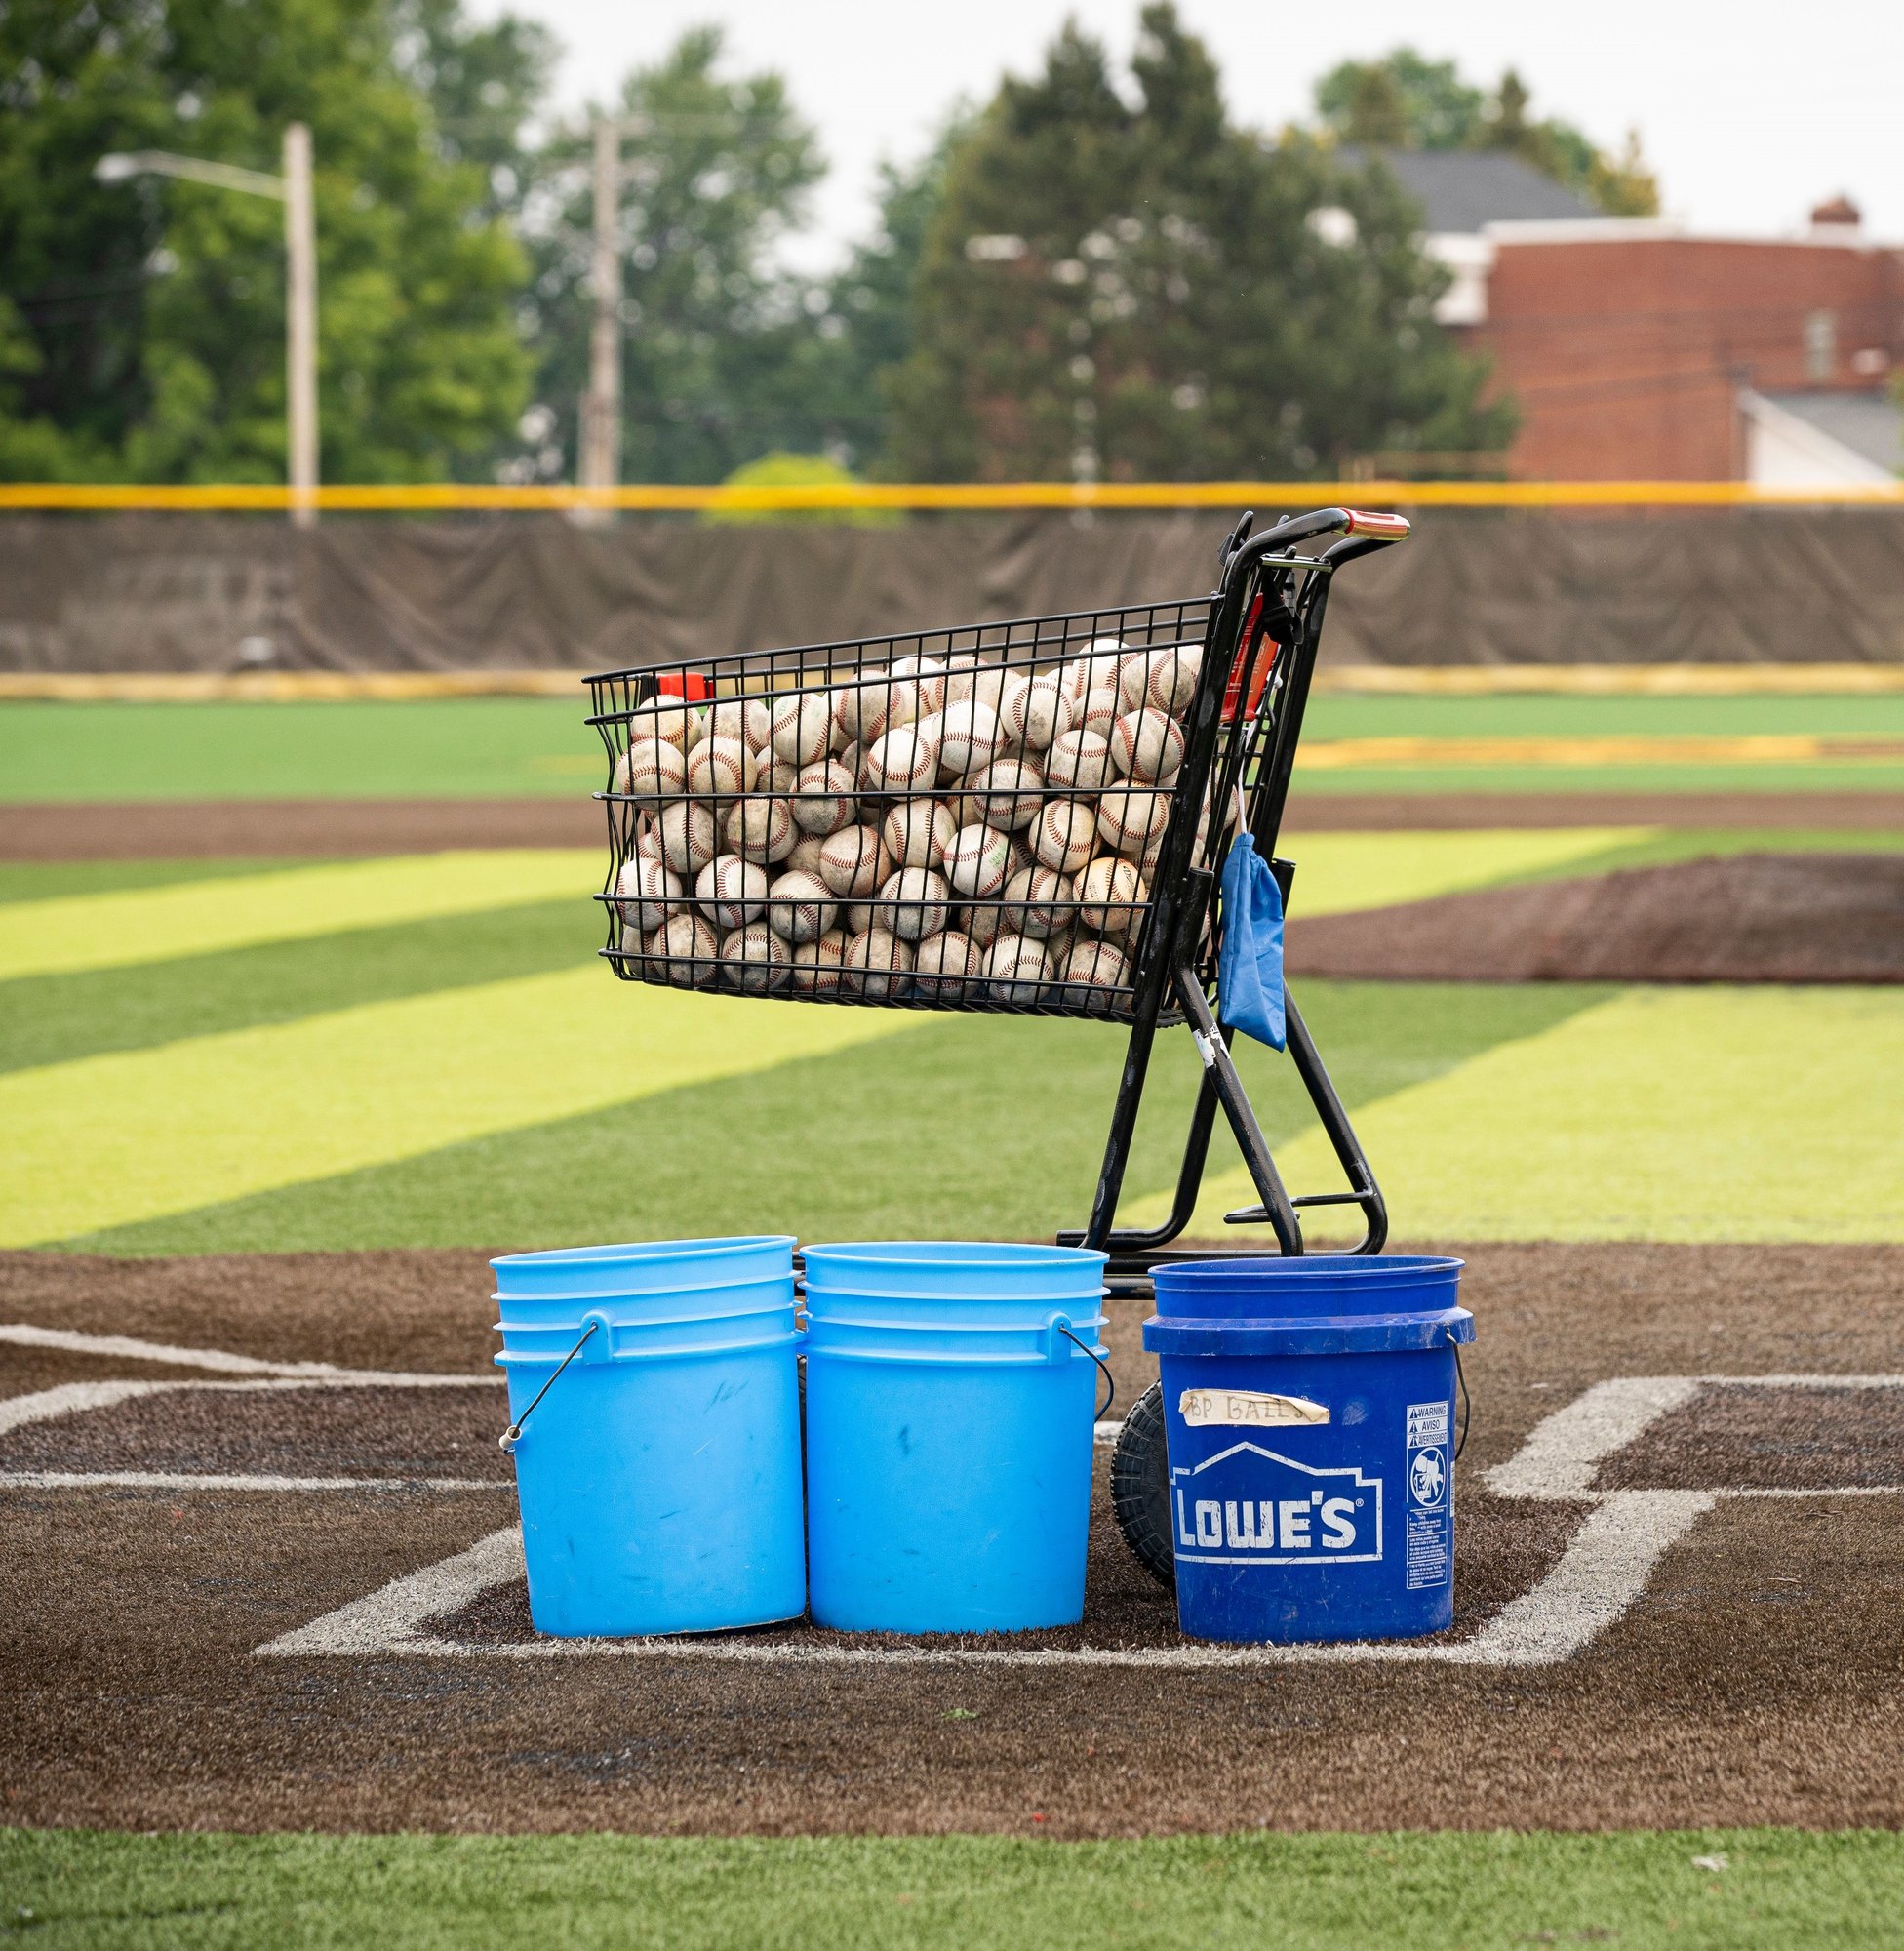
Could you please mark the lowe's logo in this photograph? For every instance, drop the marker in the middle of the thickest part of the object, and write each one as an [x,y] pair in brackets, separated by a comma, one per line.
[1249,1505]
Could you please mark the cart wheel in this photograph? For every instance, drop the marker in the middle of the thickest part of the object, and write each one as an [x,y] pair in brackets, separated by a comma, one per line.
[1140,1487]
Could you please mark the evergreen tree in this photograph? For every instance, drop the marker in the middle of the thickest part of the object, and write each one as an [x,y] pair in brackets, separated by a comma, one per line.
[143,330]
[1149,292]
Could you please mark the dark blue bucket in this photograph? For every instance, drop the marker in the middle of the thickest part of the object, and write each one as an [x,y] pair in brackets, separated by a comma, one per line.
[1310,1420]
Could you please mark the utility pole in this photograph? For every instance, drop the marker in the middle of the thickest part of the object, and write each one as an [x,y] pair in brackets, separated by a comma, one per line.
[601,414]
[293,190]
[301,323]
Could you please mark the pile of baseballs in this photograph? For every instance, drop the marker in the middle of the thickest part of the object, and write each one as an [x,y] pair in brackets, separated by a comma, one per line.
[945,829]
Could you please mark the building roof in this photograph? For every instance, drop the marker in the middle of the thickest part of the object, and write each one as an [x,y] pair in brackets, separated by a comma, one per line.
[1462,189]
[1870,425]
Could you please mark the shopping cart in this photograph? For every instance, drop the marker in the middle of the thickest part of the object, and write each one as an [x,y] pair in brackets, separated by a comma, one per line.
[1026,817]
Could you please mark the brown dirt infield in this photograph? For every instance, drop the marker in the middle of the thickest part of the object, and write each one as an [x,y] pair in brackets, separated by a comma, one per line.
[1760,1677]
[1745,918]
[266,829]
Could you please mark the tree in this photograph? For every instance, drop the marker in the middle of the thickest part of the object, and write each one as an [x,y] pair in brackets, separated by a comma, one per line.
[1148,292]
[144,336]
[720,347]
[1405,102]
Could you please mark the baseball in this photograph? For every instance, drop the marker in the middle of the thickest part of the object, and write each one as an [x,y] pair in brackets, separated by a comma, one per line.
[1132,821]
[816,962]
[1172,673]
[666,719]
[980,922]
[799,907]
[852,863]
[647,893]
[970,736]
[1079,759]
[731,891]
[1109,891]
[802,726]
[944,961]
[875,702]
[1148,746]
[968,676]
[721,769]
[686,835]
[754,960]
[1064,835]
[689,947]
[650,767]
[1035,901]
[902,759]
[1034,709]
[977,859]
[1096,964]
[761,829]
[928,675]
[918,832]
[876,965]
[823,798]
[1101,708]
[1017,968]
[1006,795]
[749,719]
[917,903]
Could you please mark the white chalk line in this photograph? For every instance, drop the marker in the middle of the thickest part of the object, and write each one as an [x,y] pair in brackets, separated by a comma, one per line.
[236,1480]
[1563,1452]
[127,1347]
[1598,1577]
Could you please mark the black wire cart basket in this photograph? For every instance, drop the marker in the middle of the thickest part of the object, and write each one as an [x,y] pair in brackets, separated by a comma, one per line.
[1027,818]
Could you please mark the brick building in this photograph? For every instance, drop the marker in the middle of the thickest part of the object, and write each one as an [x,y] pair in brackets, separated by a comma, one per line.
[1638,351]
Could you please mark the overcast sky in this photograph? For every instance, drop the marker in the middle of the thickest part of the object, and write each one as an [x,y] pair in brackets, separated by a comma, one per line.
[1749,112]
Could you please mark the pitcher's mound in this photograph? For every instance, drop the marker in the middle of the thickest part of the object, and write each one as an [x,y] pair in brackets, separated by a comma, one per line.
[1750,917]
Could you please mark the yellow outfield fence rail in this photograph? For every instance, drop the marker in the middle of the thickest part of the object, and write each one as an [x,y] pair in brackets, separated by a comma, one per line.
[444,498]
[335,686]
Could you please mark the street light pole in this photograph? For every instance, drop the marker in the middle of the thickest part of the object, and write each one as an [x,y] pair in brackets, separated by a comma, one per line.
[301,323]
[601,420]
[293,190]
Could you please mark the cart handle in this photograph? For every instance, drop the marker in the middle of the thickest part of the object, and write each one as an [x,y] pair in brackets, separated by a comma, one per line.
[1373,523]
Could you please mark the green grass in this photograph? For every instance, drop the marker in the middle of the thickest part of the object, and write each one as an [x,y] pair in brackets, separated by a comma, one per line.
[1780,1890]
[1666,846]
[54,880]
[1696,1113]
[1834,776]
[958,1126]
[1339,715]
[474,748]
[57,1019]
[462,748]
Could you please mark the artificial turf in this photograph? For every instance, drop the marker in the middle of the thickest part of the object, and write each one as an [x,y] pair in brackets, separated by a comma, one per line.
[948,1126]
[1718,1888]
[511,747]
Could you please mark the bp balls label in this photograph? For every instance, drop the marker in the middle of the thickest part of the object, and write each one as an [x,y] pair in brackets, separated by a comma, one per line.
[1427,1545]
[1251,1505]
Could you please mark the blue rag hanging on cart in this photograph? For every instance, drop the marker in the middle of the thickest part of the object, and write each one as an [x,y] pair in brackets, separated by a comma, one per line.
[1249,969]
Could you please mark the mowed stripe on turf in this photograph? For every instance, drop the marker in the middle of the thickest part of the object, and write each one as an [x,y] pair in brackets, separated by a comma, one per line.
[1338,873]
[111,931]
[1708,1113]
[109,1140]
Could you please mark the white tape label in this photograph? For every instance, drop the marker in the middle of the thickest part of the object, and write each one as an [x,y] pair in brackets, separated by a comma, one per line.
[1225,1409]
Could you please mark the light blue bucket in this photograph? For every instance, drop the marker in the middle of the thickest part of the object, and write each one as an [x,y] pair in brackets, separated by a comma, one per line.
[949,1418]
[660,1474]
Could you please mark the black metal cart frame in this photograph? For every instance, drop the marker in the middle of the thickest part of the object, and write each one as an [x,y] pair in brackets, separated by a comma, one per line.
[1256,637]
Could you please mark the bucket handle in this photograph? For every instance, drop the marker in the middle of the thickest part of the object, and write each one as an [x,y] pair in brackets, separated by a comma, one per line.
[512,1436]
[1058,1325]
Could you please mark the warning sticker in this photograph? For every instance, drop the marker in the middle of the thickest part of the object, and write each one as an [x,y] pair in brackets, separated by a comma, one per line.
[1425,1548]
[1428,1423]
